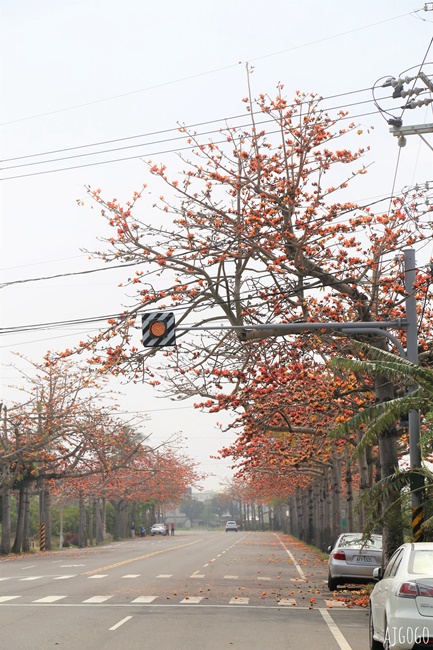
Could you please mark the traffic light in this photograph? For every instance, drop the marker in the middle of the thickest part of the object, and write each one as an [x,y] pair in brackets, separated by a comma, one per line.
[158,329]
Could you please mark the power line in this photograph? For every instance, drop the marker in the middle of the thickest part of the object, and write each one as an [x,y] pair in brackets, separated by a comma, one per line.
[140,156]
[201,74]
[176,129]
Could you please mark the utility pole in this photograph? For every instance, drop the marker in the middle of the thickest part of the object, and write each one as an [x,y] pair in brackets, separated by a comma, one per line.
[416,482]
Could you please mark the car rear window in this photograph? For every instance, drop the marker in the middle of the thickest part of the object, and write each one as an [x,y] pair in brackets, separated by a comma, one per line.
[421,562]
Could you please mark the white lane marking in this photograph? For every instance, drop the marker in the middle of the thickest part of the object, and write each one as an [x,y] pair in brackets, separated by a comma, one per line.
[298,568]
[230,577]
[263,578]
[31,578]
[124,620]
[68,566]
[197,575]
[3,579]
[192,600]
[287,601]
[145,599]
[4,599]
[239,601]
[97,576]
[298,580]
[132,575]
[49,599]
[335,630]
[97,599]
[65,577]
[165,575]
[30,566]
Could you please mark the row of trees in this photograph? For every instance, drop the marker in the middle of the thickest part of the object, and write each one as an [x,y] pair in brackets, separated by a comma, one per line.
[258,230]
[66,445]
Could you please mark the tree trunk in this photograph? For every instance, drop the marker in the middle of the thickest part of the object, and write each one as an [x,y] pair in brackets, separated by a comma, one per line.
[91,510]
[26,533]
[19,533]
[349,495]
[99,526]
[5,547]
[393,527]
[336,496]
[47,519]
[82,523]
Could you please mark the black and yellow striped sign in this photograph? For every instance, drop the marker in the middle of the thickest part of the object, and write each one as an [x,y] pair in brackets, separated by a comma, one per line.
[417,522]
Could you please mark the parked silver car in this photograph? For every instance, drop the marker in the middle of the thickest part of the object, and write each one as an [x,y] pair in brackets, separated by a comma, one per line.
[352,560]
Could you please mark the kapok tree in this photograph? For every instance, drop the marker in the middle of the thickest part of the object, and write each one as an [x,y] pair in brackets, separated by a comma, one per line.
[256,231]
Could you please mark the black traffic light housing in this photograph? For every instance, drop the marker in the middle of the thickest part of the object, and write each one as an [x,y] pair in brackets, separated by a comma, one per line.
[158,329]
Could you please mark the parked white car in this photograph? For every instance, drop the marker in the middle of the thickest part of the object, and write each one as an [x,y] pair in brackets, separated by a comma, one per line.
[401,603]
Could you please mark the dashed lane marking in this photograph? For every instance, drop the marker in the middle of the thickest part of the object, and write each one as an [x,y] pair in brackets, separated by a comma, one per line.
[132,575]
[4,599]
[230,577]
[287,602]
[239,601]
[97,599]
[49,599]
[144,600]
[165,575]
[124,620]
[101,575]
[191,600]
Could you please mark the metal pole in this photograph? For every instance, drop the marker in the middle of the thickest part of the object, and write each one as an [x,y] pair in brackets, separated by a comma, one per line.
[416,482]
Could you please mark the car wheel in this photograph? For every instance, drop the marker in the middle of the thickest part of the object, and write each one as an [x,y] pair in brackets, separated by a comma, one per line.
[374,645]
[332,583]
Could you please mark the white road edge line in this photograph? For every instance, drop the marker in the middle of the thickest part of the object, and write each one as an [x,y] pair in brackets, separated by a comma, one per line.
[124,620]
[334,629]
[298,568]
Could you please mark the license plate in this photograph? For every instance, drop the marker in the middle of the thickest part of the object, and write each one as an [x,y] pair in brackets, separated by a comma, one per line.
[364,559]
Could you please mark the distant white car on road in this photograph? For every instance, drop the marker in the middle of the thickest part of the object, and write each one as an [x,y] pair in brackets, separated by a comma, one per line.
[231,526]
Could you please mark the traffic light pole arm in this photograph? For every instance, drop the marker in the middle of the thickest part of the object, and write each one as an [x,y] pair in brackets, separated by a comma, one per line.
[250,333]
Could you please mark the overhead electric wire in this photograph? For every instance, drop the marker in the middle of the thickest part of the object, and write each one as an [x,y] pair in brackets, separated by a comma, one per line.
[176,129]
[201,74]
[142,155]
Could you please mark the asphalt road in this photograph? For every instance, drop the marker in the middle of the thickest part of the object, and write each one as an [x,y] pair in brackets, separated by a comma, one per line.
[194,590]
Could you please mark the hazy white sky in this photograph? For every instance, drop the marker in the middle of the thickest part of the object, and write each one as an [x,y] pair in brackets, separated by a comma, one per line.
[78,72]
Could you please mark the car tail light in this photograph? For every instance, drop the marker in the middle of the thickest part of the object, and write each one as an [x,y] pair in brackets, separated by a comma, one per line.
[408,590]
[413,589]
[425,590]
[339,555]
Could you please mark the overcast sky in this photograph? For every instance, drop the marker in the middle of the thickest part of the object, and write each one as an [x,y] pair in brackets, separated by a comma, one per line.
[80,72]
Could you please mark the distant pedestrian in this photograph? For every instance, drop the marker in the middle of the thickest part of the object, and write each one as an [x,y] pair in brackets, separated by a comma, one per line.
[133,530]
[172,528]
[142,531]
[166,529]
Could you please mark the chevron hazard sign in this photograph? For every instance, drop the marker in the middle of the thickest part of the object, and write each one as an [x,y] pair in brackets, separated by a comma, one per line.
[158,329]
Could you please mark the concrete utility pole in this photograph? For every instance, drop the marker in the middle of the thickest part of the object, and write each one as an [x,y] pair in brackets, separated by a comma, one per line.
[417,482]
